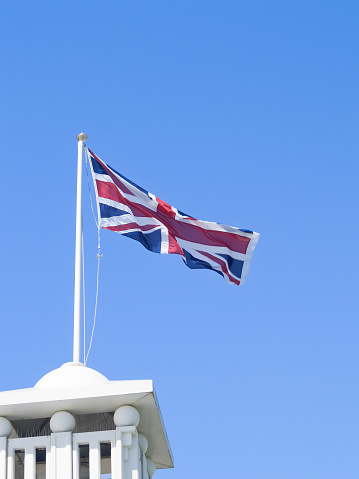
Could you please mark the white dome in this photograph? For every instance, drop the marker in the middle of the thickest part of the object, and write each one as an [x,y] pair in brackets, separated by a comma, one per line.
[71,375]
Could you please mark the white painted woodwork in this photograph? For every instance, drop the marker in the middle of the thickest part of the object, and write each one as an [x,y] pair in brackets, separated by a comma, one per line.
[73,396]
[29,446]
[143,466]
[61,455]
[11,463]
[127,461]
[30,462]
[94,441]
[91,393]
[127,439]
[3,455]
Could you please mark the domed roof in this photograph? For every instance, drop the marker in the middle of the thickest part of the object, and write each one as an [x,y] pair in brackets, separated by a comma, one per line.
[71,375]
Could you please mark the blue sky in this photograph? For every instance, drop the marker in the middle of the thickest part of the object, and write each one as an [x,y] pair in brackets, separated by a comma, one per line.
[243,113]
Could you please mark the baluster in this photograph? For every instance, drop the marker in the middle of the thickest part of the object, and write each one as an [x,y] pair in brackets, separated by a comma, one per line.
[30,462]
[3,444]
[11,463]
[95,459]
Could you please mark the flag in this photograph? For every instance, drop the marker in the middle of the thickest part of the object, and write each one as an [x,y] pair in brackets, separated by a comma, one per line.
[130,210]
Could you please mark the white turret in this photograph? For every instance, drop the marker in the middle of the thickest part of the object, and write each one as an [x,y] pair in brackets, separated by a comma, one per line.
[76,424]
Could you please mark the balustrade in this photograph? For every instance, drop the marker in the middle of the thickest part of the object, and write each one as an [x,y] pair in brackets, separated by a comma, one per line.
[115,454]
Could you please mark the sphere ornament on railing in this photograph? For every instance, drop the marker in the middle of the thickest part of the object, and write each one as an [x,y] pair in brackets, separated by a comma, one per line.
[5,427]
[143,443]
[126,416]
[151,468]
[62,421]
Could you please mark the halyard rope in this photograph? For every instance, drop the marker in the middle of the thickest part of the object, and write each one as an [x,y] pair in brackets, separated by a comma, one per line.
[99,255]
[83,290]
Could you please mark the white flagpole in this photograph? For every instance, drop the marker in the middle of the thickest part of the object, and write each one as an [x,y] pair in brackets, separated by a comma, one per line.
[77,300]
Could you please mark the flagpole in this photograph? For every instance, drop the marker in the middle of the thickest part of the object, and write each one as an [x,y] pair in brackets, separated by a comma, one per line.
[77,296]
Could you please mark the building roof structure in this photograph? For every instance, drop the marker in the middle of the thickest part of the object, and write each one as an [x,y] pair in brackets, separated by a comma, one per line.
[89,395]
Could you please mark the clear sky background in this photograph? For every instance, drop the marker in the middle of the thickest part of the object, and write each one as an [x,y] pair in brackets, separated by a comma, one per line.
[243,113]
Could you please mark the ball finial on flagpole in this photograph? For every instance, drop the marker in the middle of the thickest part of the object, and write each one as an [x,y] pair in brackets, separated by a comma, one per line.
[82,137]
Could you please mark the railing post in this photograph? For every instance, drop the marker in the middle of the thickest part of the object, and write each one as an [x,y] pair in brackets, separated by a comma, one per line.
[95,459]
[11,464]
[62,424]
[128,452]
[3,457]
[61,455]
[30,462]
[5,432]
[143,445]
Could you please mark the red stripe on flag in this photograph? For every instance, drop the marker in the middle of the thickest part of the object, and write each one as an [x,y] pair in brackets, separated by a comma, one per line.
[193,233]
[131,226]
[165,208]
[223,266]
[109,191]
[177,228]
[114,178]
[173,246]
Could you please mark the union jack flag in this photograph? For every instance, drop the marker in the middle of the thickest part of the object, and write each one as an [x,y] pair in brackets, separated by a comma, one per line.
[130,210]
